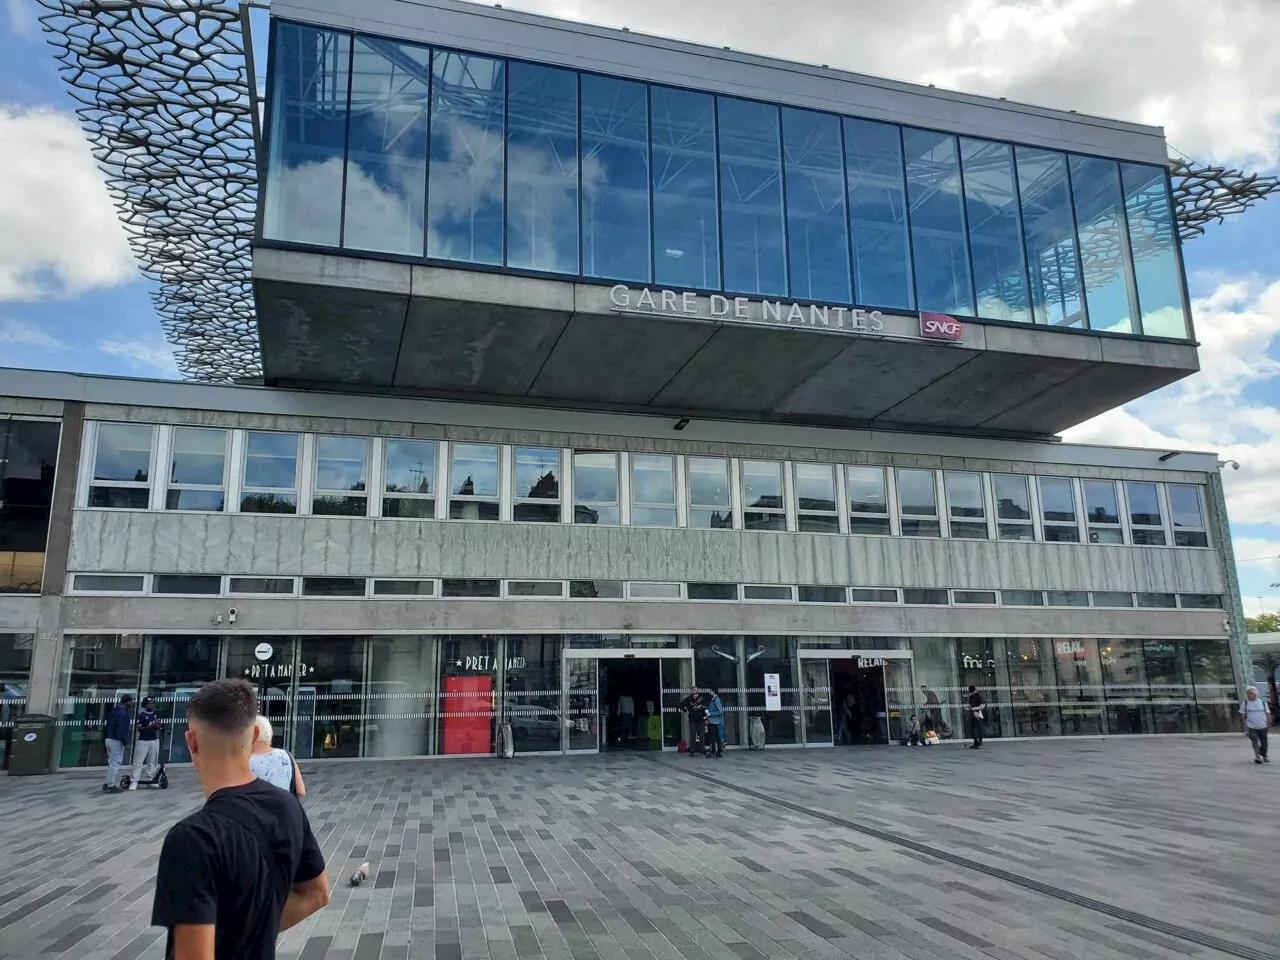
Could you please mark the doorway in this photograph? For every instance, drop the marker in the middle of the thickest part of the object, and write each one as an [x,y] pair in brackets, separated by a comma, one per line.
[631,704]
[858,705]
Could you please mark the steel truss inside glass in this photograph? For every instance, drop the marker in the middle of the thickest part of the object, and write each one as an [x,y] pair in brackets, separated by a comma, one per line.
[384,147]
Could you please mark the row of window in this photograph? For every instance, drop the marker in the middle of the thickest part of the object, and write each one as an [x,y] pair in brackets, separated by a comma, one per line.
[259,472]
[212,585]
[389,147]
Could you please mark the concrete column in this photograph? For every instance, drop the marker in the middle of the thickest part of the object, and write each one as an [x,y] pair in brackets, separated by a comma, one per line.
[1220,528]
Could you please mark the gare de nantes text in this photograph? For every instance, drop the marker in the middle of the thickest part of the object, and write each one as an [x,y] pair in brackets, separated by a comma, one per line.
[744,310]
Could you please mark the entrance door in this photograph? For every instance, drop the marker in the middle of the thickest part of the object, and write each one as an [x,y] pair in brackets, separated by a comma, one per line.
[596,680]
[631,704]
[581,709]
[858,702]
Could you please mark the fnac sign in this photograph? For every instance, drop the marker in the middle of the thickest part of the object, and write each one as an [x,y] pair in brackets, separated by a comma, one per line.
[939,326]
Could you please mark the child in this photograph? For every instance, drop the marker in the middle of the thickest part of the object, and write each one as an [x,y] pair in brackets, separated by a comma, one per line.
[914,739]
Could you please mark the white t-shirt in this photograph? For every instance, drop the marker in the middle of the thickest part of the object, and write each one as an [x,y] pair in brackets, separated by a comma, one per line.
[275,767]
[1255,713]
[626,706]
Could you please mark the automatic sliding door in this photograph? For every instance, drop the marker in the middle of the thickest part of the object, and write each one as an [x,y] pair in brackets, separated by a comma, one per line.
[582,708]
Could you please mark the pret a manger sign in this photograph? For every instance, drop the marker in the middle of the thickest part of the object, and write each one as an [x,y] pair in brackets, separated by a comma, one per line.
[672,303]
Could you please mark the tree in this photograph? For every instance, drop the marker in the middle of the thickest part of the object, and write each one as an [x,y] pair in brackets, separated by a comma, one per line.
[1263,623]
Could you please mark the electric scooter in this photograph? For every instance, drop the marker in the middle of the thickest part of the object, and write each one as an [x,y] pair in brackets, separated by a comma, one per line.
[161,779]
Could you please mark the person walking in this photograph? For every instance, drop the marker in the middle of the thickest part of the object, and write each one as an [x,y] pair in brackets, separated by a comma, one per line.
[146,752]
[715,723]
[272,764]
[115,737]
[1256,715]
[245,866]
[977,716]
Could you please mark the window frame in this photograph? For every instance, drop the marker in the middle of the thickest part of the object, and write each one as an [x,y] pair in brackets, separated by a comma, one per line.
[496,500]
[790,588]
[1120,526]
[1146,528]
[507,595]
[433,497]
[802,513]
[518,501]
[1199,491]
[618,474]
[781,510]
[984,500]
[938,500]
[229,578]
[224,488]
[375,595]
[318,491]
[301,498]
[634,505]
[889,487]
[1045,523]
[89,468]
[74,588]
[735,520]
[1032,509]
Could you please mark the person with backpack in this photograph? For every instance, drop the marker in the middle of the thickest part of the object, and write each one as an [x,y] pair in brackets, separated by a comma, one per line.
[272,764]
[1256,715]
[977,716]
[715,723]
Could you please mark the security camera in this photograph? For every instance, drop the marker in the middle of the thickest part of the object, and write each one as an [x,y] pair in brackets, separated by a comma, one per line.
[231,614]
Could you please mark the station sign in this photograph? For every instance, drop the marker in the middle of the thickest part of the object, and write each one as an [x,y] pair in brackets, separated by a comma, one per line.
[939,326]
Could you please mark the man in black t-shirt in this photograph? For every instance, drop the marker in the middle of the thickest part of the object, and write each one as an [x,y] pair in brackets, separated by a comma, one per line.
[245,866]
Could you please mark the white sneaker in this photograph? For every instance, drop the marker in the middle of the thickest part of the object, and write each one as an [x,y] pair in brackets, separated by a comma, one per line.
[133,786]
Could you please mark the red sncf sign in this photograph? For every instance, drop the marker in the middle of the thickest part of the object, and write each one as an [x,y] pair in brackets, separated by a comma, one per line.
[938,326]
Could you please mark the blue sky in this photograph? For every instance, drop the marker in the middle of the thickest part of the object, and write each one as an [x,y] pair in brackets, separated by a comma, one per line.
[70,298]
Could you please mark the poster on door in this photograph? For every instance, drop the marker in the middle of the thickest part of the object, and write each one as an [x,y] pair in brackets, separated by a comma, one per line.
[468,714]
[772,692]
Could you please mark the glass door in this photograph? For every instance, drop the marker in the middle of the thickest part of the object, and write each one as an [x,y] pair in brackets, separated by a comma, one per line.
[582,708]
[816,680]
[900,699]
[268,663]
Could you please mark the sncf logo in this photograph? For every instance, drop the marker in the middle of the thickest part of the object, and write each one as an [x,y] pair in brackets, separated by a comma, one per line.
[938,326]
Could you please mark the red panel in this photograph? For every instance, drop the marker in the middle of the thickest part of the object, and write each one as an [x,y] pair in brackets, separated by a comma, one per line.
[468,714]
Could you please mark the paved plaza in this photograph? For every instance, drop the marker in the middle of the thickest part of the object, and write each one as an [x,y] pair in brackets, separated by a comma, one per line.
[1144,848]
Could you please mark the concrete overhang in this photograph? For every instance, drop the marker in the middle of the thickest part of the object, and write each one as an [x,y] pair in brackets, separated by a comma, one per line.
[337,322]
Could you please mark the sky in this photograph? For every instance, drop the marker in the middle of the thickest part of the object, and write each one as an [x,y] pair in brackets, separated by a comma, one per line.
[71,297]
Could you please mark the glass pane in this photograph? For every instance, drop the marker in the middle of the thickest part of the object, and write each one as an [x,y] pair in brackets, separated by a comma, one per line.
[878,214]
[615,178]
[715,665]
[595,477]
[1100,503]
[188,584]
[542,169]
[531,697]
[817,703]
[815,486]
[211,500]
[1184,504]
[1112,598]
[1057,500]
[468,669]
[709,482]
[774,655]
[97,669]
[1080,682]
[1013,497]
[766,592]
[653,516]
[1016,531]
[761,484]
[473,510]
[330,697]
[964,494]
[1169,678]
[751,197]
[711,591]
[583,714]
[654,591]
[537,512]
[940,248]
[1158,601]
[934,598]
[124,452]
[979,596]
[470,588]
[537,473]
[869,526]
[474,470]
[1155,257]
[274,680]
[653,478]
[387,154]
[308,135]
[1144,504]
[821,594]
[399,696]
[1033,688]
[917,495]
[983,664]
[271,460]
[404,588]
[333,586]
[818,238]
[410,466]
[1022,598]
[686,233]
[941,697]
[1148,537]
[859,595]
[1095,185]
[970,530]
[199,456]
[269,503]
[716,518]
[1068,598]
[535,588]
[866,489]
[340,463]
[267,585]
[595,589]
[921,528]
[1215,685]
[179,666]
[1050,236]
[995,230]
[464,200]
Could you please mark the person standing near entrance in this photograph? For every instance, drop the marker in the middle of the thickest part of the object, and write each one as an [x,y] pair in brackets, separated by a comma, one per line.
[627,717]
[715,723]
[1256,719]
[695,709]
[147,751]
[977,716]
[115,737]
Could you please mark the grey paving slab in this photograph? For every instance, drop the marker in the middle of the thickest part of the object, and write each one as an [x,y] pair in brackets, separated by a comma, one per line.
[675,858]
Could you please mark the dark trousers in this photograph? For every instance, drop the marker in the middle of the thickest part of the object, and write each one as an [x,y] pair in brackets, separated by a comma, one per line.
[1259,740]
[716,733]
[696,737]
[975,729]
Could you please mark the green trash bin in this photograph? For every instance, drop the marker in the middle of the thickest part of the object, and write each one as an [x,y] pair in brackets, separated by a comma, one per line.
[31,752]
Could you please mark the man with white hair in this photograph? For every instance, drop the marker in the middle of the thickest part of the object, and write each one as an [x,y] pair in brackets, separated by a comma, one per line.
[1257,717]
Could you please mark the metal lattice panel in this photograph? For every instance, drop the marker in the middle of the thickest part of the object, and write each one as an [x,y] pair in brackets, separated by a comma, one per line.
[163,89]
[1203,194]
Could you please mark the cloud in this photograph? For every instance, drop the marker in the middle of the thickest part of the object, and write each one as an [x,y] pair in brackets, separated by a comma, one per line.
[61,234]
[19,333]
[23,18]
[1207,72]
[153,354]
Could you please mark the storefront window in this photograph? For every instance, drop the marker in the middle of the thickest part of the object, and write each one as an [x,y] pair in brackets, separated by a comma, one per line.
[531,692]
[272,674]
[28,456]
[1125,686]
[15,668]
[940,703]
[1215,685]
[468,670]
[982,664]
[715,664]
[330,697]
[399,696]
[97,669]
[1033,688]
[769,655]
[1169,678]
[176,668]
[1080,683]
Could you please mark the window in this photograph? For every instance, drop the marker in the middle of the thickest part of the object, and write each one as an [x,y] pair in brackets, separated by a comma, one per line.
[186,584]
[122,466]
[653,490]
[878,214]
[270,473]
[535,589]
[930,598]
[686,221]
[868,500]
[333,586]
[467,589]
[865,595]
[995,230]
[650,590]
[1145,520]
[1200,601]
[939,243]
[595,489]
[595,589]
[753,591]
[409,479]
[967,506]
[751,214]
[712,591]
[473,481]
[815,490]
[1058,510]
[1154,247]
[1022,598]
[1099,206]
[615,178]
[341,482]
[1044,189]
[1013,507]
[268,586]
[537,485]
[197,470]
[1157,601]
[762,504]
[1068,598]
[709,505]
[108,583]
[28,461]
[918,503]
[818,236]
[404,588]
[1112,598]
[1188,515]
[1102,511]
[821,594]
[974,596]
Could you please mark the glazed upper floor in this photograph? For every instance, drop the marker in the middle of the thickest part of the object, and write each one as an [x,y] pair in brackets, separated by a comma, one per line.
[447,133]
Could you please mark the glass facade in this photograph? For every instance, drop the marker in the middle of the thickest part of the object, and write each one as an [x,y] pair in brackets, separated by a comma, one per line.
[388,147]
[15,669]
[28,458]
